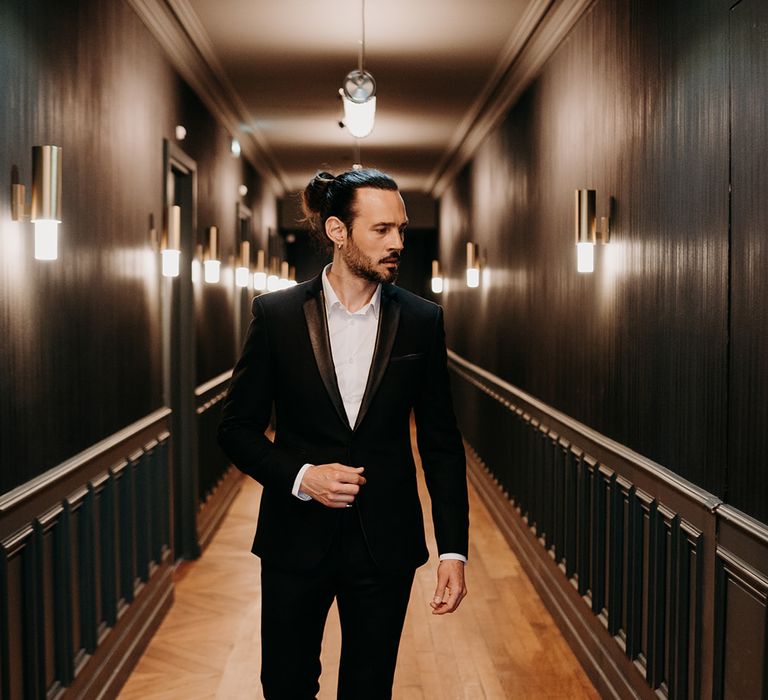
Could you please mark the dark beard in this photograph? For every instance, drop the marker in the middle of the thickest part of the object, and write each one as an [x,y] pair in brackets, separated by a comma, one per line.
[362,266]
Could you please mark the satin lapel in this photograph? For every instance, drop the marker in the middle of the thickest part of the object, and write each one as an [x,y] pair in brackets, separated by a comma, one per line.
[317,324]
[389,318]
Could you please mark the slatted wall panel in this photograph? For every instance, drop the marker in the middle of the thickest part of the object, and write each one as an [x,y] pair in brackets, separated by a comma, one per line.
[219,481]
[70,575]
[628,541]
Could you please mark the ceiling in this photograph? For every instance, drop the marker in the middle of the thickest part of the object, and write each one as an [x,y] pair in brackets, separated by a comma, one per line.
[280,65]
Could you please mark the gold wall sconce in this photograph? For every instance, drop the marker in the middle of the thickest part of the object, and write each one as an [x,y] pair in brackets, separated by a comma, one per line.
[211,261]
[587,231]
[243,270]
[273,278]
[260,276]
[473,265]
[437,278]
[45,210]
[170,250]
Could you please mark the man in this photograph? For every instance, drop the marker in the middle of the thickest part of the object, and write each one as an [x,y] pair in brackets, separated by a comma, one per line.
[343,359]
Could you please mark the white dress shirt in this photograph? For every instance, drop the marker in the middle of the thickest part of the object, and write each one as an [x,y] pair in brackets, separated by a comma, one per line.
[353,340]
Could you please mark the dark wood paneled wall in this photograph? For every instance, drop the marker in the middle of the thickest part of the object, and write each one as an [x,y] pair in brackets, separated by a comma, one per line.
[576,379]
[634,104]
[85,567]
[86,496]
[661,589]
[81,350]
[747,481]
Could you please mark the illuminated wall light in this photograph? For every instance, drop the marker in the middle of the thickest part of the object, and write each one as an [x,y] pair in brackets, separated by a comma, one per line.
[243,270]
[473,266]
[285,275]
[181,132]
[586,230]
[437,278]
[211,262]
[273,279]
[273,283]
[46,200]
[171,249]
[242,190]
[260,276]
[45,210]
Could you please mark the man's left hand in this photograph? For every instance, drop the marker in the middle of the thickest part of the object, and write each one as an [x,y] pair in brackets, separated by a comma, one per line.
[450,587]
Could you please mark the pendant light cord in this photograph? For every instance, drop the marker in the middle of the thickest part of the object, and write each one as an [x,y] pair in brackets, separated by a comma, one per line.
[362,41]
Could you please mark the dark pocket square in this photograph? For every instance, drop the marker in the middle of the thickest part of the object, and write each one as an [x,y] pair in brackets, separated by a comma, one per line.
[412,356]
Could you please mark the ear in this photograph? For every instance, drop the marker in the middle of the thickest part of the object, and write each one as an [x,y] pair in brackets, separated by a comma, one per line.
[335,230]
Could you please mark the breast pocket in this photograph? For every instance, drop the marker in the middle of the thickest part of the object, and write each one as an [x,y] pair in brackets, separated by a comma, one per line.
[408,358]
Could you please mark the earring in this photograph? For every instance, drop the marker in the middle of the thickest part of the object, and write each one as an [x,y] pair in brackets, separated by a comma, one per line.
[339,246]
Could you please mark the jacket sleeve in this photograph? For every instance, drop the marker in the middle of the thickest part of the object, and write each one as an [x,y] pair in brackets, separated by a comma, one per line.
[442,450]
[247,409]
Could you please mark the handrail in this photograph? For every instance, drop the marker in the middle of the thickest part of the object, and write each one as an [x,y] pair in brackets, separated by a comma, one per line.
[13,498]
[690,490]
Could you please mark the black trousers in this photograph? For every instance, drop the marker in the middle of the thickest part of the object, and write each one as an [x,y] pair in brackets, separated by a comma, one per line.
[294,608]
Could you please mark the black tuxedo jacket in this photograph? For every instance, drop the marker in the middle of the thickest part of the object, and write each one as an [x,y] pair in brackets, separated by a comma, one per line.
[286,362]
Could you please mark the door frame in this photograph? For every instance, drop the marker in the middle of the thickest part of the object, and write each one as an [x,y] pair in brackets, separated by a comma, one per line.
[179,356]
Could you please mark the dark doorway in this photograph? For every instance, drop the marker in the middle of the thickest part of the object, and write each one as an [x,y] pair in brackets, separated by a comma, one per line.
[180,189]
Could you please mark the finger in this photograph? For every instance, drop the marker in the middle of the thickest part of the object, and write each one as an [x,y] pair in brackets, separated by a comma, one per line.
[345,478]
[352,470]
[455,594]
[350,489]
[442,582]
[341,497]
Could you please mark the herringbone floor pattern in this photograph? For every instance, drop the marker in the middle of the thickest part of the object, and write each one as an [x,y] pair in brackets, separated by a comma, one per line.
[501,643]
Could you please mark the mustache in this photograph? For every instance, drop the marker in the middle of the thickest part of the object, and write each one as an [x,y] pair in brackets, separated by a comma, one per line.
[392,257]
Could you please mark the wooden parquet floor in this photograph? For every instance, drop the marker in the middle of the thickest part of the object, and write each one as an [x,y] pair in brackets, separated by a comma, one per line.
[501,643]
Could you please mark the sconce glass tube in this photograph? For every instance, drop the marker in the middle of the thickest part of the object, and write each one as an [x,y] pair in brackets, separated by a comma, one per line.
[211,263]
[260,276]
[473,268]
[171,253]
[585,229]
[46,200]
[243,271]
[437,279]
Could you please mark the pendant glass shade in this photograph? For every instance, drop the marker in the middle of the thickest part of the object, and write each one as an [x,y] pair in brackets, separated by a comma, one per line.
[359,97]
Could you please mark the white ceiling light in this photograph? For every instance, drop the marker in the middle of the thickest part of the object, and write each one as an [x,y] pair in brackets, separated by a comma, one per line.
[359,94]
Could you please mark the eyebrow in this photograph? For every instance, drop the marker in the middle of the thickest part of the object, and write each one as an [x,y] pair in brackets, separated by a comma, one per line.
[391,223]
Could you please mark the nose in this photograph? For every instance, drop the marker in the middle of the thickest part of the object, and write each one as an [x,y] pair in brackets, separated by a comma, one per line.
[397,240]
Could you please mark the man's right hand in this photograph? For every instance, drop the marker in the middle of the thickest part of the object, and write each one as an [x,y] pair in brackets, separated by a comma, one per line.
[334,485]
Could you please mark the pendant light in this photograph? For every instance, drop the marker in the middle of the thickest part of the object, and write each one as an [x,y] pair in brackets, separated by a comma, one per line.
[359,94]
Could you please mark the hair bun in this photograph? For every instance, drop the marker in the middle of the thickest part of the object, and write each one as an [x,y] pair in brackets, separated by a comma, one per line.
[315,196]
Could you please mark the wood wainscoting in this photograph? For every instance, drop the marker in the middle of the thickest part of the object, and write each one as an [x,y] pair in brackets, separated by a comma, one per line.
[219,481]
[86,566]
[659,587]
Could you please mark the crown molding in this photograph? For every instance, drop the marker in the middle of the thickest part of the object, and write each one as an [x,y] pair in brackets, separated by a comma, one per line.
[179,32]
[542,28]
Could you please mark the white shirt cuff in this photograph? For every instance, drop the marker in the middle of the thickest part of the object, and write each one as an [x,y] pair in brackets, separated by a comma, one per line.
[296,490]
[453,555]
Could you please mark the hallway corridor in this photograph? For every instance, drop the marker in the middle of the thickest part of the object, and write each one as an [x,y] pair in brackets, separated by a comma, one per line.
[501,643]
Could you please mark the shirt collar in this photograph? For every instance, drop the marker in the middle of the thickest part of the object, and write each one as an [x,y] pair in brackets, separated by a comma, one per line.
[332,299]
